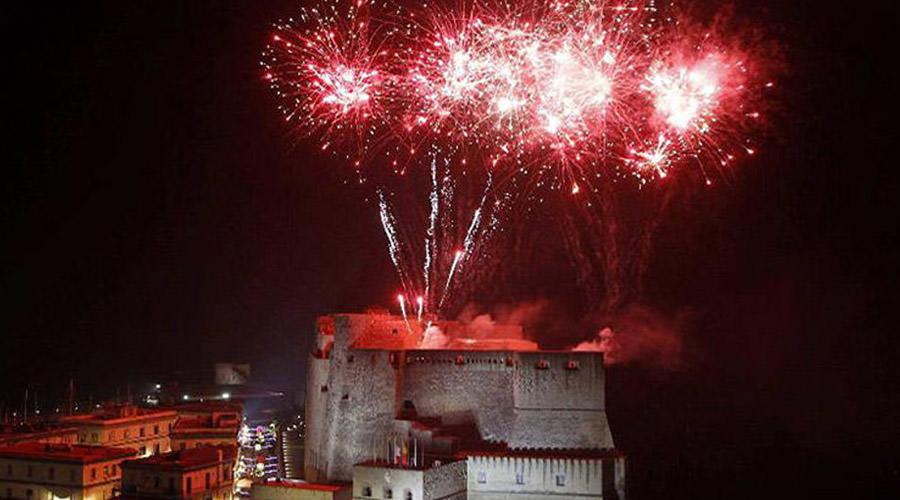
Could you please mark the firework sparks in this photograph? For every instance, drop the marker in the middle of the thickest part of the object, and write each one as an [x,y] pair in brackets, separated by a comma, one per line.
[535,97]
[685,97]
[547,83]
[655,159]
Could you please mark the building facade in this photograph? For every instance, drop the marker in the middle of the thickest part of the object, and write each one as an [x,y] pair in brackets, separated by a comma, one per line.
[434,481]
[126,426]
[545,475]
[204,473]
[203,424]
[44,471]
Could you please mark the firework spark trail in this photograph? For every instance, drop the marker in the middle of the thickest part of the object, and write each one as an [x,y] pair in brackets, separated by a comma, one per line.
[389,224]
[456,258]
[468,241]
[402,300]
[430,235]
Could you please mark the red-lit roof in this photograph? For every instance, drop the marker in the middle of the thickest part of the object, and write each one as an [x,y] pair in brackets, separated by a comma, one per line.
[303,486]
[201,423]
[117,415]
[21,434]
[192,458]
[74,453]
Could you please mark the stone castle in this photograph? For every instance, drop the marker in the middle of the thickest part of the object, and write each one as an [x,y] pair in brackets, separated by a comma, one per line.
[498,403]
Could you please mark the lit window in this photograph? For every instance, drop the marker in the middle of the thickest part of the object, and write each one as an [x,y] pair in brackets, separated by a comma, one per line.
[482,477]
[560,480]
[520,478]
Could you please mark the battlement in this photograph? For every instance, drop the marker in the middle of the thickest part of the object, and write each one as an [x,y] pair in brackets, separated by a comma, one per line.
[380,330]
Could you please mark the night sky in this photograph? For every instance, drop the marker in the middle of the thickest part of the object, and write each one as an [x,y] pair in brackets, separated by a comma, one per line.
[158,218]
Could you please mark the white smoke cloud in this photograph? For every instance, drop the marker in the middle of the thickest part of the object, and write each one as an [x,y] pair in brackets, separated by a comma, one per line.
[434,338]
[638,335]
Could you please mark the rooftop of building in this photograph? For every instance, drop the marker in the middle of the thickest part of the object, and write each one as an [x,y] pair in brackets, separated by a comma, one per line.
[117,414]
[197,422]
[205,425]
[17,433]
[192,458]
[302,485]
[70,453]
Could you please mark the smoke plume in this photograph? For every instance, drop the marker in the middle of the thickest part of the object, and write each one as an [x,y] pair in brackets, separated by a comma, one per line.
[638,335]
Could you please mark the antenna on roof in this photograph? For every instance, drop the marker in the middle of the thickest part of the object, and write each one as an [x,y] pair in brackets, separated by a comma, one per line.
[70,397]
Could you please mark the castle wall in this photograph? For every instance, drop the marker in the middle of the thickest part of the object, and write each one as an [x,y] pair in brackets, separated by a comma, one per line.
[445,482]
[529,400]
[316,402]
[526,399]
[462,387]
[440,482]
[559,401]
[356,408]
[536,478]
